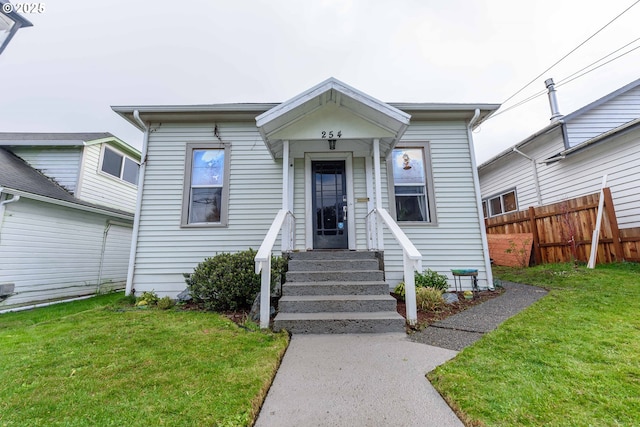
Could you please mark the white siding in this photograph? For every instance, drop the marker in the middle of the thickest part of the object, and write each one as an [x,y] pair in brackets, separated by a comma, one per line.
[581,174]
[103,189]
[577,175]
[516,171]
[115,259]
[51,252]
[455,242]
[610,115]
[165,250]
[59,163]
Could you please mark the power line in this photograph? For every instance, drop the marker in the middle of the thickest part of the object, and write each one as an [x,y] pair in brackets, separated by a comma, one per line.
[571,77]
[573,50]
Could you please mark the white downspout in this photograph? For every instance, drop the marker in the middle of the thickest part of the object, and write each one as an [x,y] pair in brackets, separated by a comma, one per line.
[136,218]
[14,199]
[476,183]
[535,174]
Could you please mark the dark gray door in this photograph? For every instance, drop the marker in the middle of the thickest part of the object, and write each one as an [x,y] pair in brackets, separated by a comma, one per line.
[329,193]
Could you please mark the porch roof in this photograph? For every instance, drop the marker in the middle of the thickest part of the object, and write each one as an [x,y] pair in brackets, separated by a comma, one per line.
[325,103]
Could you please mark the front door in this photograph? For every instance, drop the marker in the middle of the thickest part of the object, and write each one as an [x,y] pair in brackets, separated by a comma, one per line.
[329,198]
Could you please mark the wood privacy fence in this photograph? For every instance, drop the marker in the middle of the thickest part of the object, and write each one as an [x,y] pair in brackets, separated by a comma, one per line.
[562,232]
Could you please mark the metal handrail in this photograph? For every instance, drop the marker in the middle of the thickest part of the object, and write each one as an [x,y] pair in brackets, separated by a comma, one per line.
[263,259]
[411,259]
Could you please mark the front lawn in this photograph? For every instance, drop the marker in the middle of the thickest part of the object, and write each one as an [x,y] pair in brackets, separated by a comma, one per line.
[571,359]
[97,363]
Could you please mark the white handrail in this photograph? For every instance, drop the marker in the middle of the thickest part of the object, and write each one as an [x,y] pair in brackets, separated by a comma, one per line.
[411,259]
[263,260]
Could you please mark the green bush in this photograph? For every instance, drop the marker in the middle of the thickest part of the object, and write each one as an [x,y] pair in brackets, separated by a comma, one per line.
[228,281]
[428,298]
[399,290]
[165,303]
[147,299]
[431,279]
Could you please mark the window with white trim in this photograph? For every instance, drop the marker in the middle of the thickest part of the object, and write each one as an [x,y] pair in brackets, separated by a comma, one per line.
[409,168]
[206,185]
[119,165]
[501,203]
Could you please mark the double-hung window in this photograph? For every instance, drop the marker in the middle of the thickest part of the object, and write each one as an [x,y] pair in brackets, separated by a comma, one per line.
[206,187]
[410,170]
[120,166]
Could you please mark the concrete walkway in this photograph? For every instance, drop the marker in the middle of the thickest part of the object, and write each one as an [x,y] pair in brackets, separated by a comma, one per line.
[379,379]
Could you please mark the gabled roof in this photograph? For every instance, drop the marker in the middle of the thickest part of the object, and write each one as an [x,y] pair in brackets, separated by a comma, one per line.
[16,176]
[390,121]
[565,119]
[46,139]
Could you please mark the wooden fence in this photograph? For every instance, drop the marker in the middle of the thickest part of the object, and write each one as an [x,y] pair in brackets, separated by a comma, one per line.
[562,232]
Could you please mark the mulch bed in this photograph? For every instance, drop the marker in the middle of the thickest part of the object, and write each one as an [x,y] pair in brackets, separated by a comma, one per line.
[425,318]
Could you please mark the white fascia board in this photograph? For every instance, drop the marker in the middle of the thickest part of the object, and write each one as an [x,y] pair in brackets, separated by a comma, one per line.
[326,86]
[66,204]
[43,143]
[123,146]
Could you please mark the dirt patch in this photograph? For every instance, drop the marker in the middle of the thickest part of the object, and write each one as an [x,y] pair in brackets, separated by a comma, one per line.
[425,318]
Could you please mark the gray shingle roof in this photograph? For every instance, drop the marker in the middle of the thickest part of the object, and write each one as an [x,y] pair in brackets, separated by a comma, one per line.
[28,136]
[16,174]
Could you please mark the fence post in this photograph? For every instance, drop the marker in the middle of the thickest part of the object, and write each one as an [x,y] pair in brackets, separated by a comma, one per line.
[537,253]
[613,221]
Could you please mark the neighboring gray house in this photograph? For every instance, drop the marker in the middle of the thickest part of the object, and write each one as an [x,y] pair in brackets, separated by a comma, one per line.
[569,157]
[66,214]
[216,177]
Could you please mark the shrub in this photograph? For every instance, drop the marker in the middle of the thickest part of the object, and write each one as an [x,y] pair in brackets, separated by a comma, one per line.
[399,290]
[428,298]
[147,299]
[165,303]
[431,279]
[228,281]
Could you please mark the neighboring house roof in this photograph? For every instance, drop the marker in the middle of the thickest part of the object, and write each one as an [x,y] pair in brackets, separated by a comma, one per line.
[66,140]
[557,126]
[16,176]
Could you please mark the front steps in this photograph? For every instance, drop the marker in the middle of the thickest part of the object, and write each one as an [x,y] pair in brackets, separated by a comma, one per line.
[336,292]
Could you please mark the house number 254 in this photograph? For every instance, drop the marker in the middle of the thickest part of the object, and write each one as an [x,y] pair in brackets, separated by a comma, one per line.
[331,134]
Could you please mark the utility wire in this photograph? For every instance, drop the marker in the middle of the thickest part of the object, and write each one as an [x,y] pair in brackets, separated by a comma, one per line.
[571,77]
[573,50]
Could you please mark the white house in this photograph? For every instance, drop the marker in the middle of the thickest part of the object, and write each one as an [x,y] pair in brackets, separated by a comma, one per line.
[66,214]
[569,157]
[347,167]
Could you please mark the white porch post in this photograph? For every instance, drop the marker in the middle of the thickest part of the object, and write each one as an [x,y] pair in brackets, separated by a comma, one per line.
[378,189]
[286,229]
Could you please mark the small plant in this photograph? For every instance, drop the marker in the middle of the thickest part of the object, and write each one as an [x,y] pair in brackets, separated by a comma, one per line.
[429,299]
[431,279]
[520,253]
[399,290]
[228,282]
[147,299]
[165,303]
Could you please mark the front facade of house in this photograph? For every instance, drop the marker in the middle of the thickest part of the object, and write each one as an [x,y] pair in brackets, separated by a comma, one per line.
[569,158]
[66,215]
[216,176]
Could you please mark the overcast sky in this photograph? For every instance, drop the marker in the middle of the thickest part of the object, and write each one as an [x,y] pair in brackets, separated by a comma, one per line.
[81,57]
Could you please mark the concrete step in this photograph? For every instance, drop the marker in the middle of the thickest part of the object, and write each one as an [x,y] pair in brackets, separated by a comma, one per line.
[336,303]
[340,322]
[337,254]
[333,264]
[377,287]
[333,276]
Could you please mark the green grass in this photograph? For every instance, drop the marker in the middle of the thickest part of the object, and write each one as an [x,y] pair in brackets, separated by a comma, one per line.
[571,359]
[95,363]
